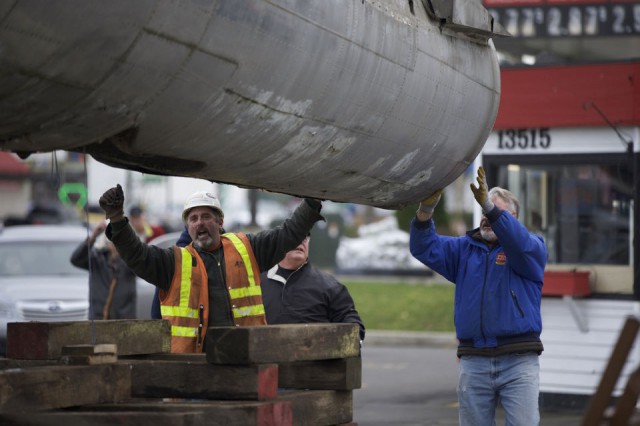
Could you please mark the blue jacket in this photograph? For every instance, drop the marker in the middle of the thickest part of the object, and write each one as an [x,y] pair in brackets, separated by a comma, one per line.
[498,289]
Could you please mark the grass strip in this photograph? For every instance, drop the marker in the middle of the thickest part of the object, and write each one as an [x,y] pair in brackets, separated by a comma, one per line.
[403,306]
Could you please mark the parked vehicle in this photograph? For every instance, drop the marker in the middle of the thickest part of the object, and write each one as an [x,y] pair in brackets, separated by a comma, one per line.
[166,240]
[145,290]
[39,283]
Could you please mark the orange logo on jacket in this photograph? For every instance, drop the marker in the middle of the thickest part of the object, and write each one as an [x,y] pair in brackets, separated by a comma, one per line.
[501,258]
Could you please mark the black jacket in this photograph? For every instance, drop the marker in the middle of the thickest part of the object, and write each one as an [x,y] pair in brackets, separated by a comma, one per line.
[309,295]
[123,305]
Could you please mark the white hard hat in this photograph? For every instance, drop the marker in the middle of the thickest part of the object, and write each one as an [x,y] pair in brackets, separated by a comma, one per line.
[201,199]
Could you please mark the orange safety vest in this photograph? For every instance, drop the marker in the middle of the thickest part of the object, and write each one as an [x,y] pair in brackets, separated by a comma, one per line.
[186,304]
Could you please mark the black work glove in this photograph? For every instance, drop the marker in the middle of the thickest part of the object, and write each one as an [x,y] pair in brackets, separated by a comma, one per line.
[112,202]
[314,204]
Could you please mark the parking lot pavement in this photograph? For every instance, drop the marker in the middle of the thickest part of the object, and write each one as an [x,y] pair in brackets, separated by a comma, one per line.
[409,378]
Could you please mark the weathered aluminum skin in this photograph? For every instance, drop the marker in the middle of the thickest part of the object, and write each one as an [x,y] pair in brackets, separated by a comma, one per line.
[348,100]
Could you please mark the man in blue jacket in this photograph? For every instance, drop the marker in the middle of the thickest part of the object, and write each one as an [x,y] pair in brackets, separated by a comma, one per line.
[497,269]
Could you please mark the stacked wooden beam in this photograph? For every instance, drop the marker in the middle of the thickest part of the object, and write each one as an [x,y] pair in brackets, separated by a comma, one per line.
[69,373]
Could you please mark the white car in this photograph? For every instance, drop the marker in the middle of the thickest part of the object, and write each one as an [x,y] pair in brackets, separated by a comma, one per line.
[38,281]
[145,290]
[166,240]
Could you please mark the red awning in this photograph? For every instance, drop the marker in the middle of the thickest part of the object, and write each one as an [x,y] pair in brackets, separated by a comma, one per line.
[10,164]
[565,95]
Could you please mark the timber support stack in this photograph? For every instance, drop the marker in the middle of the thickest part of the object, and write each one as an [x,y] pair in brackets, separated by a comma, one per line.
[122,372]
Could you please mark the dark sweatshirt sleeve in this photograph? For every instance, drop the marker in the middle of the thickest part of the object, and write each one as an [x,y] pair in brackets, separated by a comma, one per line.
[184,239]
[270,246]
[80,256]
[342,308]
[151,263]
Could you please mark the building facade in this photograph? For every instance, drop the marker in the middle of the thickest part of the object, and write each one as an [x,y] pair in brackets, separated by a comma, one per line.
[567,142]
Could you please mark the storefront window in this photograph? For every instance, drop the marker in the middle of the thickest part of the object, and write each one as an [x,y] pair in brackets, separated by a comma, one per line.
[583,211]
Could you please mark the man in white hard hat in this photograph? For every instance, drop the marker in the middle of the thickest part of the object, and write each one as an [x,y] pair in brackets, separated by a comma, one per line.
[215,280]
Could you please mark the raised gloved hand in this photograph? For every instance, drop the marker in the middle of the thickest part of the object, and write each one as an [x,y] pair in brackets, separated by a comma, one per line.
[481,193]
[112,202]
[429,204]
[97,231]
[314,203]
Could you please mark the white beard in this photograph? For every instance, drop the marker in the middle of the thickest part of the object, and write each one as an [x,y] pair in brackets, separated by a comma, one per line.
[204,245]
[488,236]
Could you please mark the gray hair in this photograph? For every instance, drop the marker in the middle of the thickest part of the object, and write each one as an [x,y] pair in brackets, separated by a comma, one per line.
[508,197]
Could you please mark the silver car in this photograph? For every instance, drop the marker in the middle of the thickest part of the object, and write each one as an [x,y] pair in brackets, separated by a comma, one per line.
[38,281]
[146,291]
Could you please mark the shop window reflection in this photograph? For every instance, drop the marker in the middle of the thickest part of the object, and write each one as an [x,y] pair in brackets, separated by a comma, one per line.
[582,211]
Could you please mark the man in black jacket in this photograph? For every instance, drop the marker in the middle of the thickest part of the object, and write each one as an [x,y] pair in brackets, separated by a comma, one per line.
[112,285]
[296,292]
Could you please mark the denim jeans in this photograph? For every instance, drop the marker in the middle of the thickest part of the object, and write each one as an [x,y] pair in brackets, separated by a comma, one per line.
[512,380]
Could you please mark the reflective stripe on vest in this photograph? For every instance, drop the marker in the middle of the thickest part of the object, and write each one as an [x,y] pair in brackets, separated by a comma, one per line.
[247,311]
[252,290]
[183,310]
[184,331]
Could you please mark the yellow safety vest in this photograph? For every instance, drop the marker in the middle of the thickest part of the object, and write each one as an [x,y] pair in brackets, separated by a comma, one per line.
[186,304]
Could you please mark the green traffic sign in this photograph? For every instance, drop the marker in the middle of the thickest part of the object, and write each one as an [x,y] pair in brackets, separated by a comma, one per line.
[73,193]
